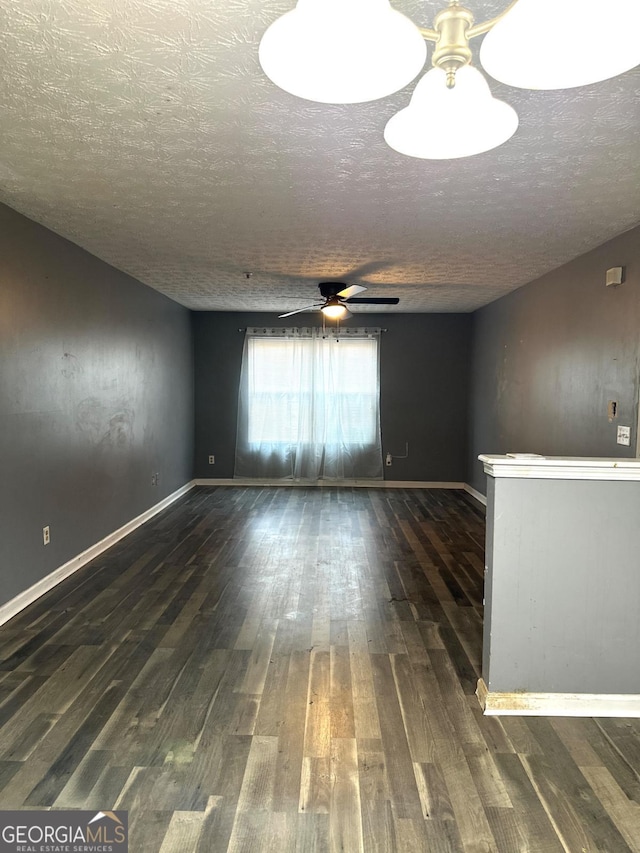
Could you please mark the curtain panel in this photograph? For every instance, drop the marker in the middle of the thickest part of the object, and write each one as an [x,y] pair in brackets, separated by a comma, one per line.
[309,405]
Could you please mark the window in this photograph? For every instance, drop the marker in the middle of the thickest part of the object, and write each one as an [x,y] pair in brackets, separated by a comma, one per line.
[309,405]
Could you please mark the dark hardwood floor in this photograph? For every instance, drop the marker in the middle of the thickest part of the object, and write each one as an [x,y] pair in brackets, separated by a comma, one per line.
[289,669]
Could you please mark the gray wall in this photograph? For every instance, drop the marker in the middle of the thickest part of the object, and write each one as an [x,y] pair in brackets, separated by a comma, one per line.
[563,587]
[424,389]
[96,394]
[546,359]
[96,387]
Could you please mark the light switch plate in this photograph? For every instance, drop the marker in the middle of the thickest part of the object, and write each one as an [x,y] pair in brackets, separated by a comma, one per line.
[614,276]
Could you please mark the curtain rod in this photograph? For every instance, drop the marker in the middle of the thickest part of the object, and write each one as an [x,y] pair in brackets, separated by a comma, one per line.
[313,327]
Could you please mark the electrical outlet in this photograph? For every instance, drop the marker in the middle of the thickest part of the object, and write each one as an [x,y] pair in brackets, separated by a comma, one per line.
[212,460]
[389,459]
[624,435]
[46,535]
[155,479]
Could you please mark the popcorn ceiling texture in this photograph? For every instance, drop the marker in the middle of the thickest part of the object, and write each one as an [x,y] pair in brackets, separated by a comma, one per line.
[146,132]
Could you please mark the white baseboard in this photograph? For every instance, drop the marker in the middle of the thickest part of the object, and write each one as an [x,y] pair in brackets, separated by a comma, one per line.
[557,704]
[13,607]
[363,484]
[475,494]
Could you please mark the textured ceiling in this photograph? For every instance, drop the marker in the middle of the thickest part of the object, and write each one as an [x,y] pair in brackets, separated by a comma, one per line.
[145,131]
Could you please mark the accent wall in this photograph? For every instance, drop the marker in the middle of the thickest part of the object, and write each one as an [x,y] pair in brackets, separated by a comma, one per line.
[424,368]
[96,397]
[547,359]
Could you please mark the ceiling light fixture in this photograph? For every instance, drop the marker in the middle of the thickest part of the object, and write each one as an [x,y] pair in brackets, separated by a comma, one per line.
[334,309]
[342,51]
[442,123]
[583,43]
[348,51]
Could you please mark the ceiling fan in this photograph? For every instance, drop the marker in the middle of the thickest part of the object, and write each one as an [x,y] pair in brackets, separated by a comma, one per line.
[337,295]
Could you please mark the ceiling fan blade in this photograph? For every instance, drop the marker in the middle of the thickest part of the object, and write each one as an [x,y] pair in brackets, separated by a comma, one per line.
[374,300]
[298,311]
[350,291]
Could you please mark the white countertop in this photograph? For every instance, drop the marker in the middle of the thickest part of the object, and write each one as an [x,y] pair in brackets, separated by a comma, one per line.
[532,466]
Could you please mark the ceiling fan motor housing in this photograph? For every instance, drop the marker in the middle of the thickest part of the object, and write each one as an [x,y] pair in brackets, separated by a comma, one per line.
[331,288]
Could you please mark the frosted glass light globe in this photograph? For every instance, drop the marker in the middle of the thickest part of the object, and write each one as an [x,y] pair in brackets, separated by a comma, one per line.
[335,312]
[444,124]
[559,44]
[342,51]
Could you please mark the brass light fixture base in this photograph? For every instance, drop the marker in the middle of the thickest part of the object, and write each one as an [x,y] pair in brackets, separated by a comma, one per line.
[453,29]
[452,47]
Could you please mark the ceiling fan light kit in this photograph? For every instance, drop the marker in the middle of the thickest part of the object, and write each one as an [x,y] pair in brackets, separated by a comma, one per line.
[334,309]
[349,51]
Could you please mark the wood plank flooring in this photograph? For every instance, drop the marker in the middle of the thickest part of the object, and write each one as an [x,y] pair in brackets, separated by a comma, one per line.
[290,669]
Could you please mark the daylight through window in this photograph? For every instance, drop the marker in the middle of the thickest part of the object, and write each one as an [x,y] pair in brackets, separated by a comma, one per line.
[309,406]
